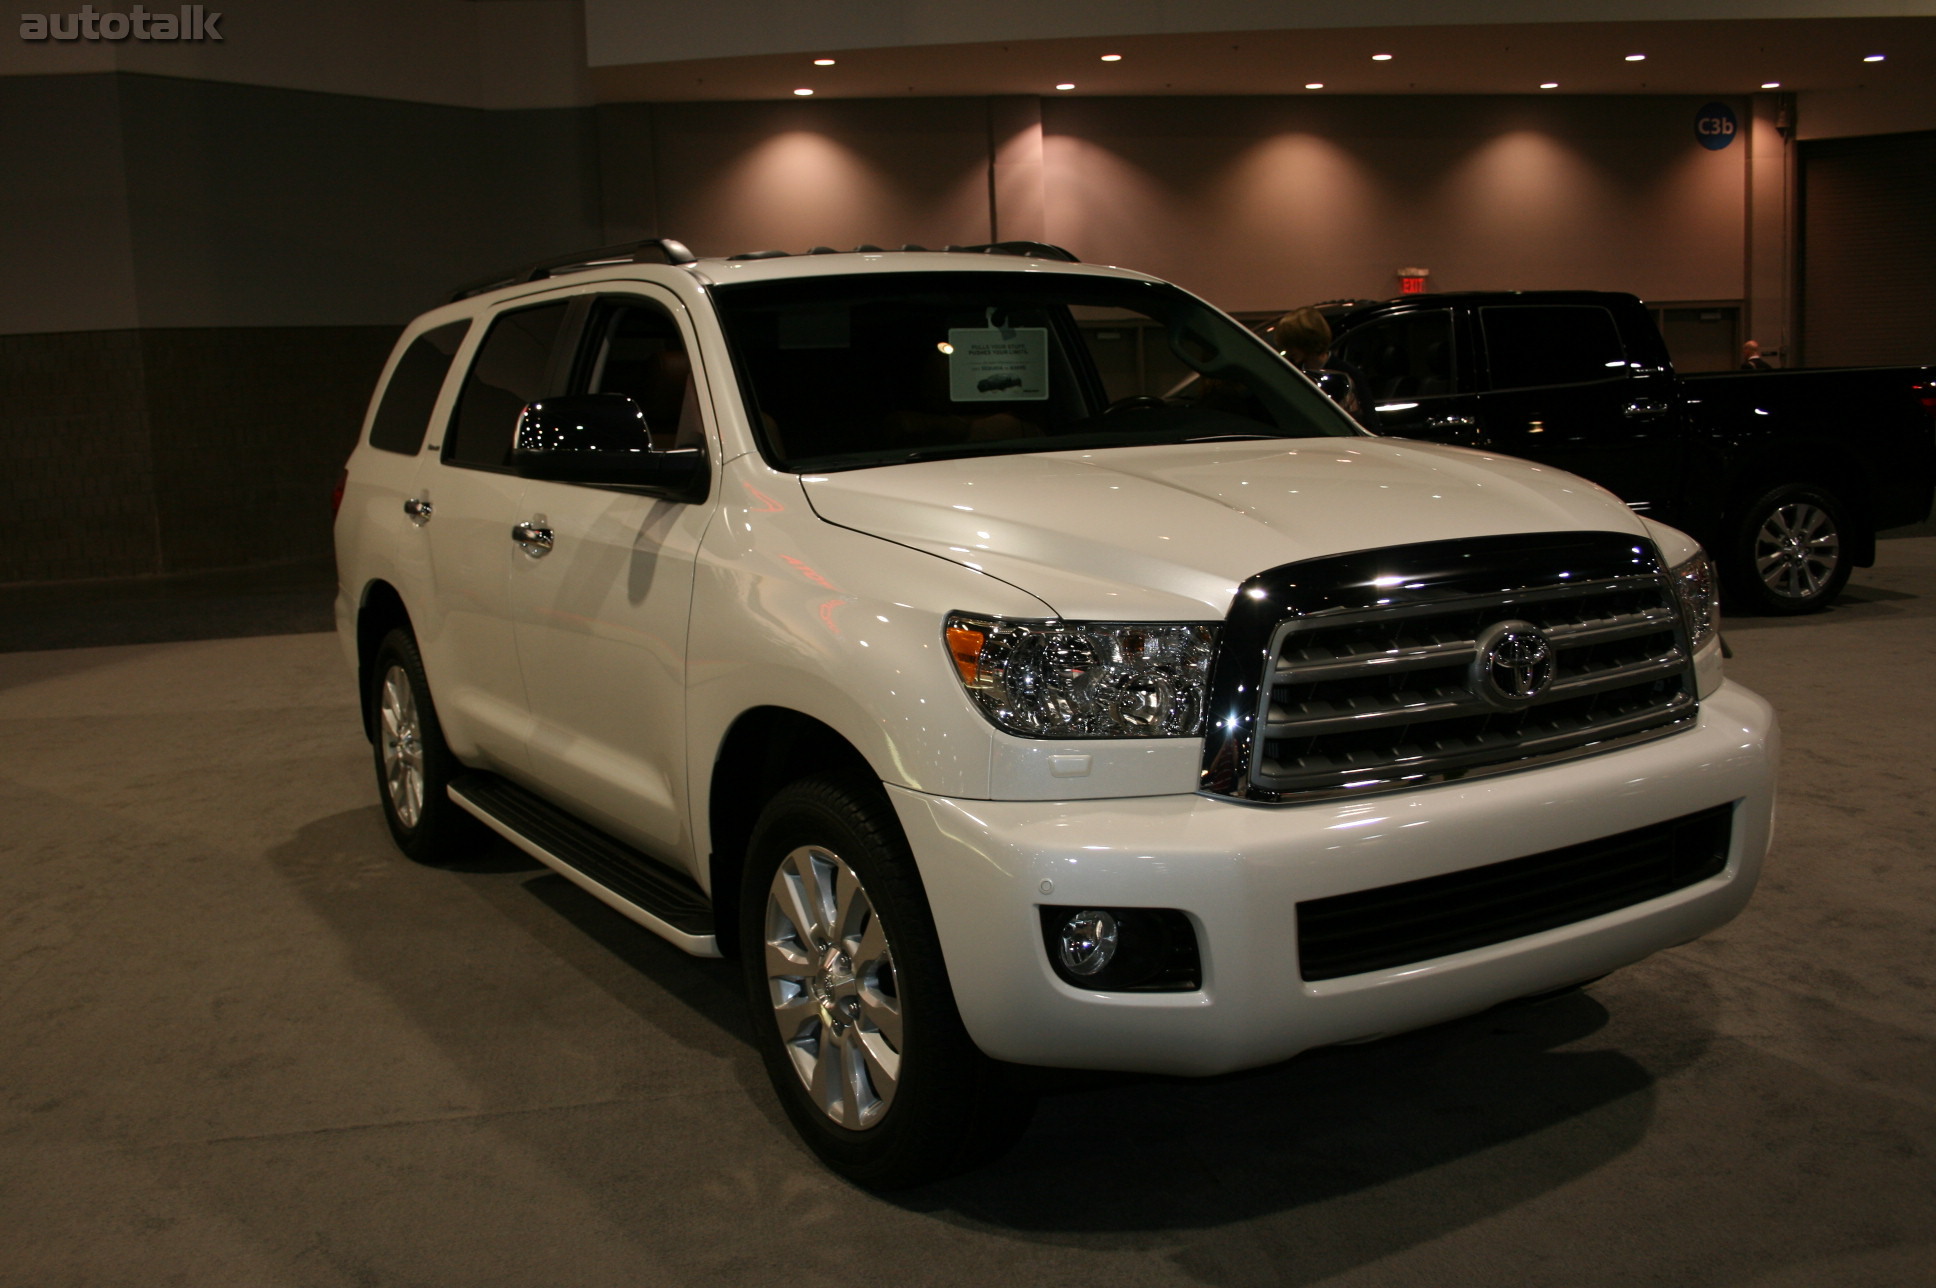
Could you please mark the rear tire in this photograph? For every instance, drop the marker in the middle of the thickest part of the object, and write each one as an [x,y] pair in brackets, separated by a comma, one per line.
[1789,551]
[849,997]
[414,766]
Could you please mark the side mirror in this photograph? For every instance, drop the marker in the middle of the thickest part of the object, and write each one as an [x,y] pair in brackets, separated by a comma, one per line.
[602,440]
[1335,383]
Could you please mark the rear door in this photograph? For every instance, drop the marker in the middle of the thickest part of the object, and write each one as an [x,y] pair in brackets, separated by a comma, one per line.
[468,498]
[1561,386]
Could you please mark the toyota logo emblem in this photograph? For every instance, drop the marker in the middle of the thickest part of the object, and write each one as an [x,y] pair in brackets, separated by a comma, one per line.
[1514,666]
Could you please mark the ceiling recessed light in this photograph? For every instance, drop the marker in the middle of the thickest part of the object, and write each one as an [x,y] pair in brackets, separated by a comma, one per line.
[823,62]
[1636,58]
[803,92]
[1315,85]
[1112,58]
[1874,58]
[1771,84]
[1549,85]
[1381,58]
[1066,85]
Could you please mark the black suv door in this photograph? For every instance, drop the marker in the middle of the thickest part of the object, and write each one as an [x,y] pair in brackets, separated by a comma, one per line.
[1413,375]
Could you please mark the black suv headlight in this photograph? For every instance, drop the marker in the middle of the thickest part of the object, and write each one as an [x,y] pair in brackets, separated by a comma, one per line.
[1059,679]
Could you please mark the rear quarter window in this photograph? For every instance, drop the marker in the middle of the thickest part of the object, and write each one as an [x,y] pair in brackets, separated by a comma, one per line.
[403,415]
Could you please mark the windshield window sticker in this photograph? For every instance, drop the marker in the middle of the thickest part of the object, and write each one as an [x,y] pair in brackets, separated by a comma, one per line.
[997,364]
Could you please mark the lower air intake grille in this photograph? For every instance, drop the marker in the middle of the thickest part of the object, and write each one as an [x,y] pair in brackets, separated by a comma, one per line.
[1415,921]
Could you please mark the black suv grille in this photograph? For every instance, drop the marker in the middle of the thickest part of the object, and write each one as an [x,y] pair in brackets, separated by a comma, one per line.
[1398,667]
[1398,925]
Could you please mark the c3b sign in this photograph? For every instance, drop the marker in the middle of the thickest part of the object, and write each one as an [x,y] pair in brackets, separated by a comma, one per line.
[1715,126]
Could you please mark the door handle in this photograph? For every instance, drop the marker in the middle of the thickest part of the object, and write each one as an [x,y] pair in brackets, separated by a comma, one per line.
[533,536]
[418,508]
[1645,409]
[1450,422]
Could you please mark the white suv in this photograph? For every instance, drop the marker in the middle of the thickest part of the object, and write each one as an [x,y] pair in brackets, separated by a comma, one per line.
[871,617]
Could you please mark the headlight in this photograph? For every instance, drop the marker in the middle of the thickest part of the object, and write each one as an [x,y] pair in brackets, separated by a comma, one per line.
[1700,597]
[1056,679]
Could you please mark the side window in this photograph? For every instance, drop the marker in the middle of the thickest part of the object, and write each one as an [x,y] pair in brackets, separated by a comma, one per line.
[1406,356]
[1530,345]
[404,414]
[511,369]
[635,349]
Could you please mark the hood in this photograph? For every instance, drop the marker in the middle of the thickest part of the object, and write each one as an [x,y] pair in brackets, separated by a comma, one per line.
[1170,532]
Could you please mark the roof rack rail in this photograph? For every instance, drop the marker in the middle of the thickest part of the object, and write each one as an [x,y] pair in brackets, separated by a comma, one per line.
[1032,249]
[656,250]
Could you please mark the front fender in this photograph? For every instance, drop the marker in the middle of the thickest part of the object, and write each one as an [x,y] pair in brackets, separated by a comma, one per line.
[792,612]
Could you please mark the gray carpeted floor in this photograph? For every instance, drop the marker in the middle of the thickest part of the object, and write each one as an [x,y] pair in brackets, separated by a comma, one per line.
[243,1042]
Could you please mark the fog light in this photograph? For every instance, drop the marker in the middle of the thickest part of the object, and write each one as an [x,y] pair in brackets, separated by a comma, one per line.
[1088,941]
[1122,950]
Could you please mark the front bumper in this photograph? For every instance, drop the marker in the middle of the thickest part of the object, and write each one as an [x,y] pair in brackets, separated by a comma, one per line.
[1239,871]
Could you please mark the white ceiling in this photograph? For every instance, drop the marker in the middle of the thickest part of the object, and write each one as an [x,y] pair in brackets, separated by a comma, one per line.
[1699,56]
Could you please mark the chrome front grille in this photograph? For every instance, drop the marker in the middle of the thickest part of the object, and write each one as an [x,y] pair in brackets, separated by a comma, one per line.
[1393,668]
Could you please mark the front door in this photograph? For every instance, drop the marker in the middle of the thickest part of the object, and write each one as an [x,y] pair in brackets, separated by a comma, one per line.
[601,617]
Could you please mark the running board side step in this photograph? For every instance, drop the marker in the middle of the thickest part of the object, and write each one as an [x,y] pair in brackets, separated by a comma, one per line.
[668,903]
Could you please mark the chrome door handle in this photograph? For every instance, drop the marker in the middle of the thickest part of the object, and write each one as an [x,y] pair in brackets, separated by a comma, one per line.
[1450,422]
[418,508]
[1645,409]
[533,536]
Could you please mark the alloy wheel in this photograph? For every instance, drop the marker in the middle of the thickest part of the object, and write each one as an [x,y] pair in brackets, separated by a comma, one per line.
[832,984]
[401,734]
[1797,550]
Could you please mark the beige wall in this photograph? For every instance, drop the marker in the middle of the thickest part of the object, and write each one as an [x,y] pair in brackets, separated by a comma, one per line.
[734,177]
[1255,202]
[1259,203]
[155,201]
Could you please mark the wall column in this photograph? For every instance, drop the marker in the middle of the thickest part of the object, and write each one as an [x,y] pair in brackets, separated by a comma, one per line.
[1768,295]
[1016,207]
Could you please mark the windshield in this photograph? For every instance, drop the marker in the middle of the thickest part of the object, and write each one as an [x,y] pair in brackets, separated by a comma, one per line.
[880,369]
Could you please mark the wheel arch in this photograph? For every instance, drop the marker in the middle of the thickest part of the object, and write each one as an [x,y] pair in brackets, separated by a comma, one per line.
[380,611]
[763,750]
[1799,465]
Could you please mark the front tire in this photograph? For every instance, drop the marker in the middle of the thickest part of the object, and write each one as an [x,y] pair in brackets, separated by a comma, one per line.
[414,766]
[1789,551]
[850,1002]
